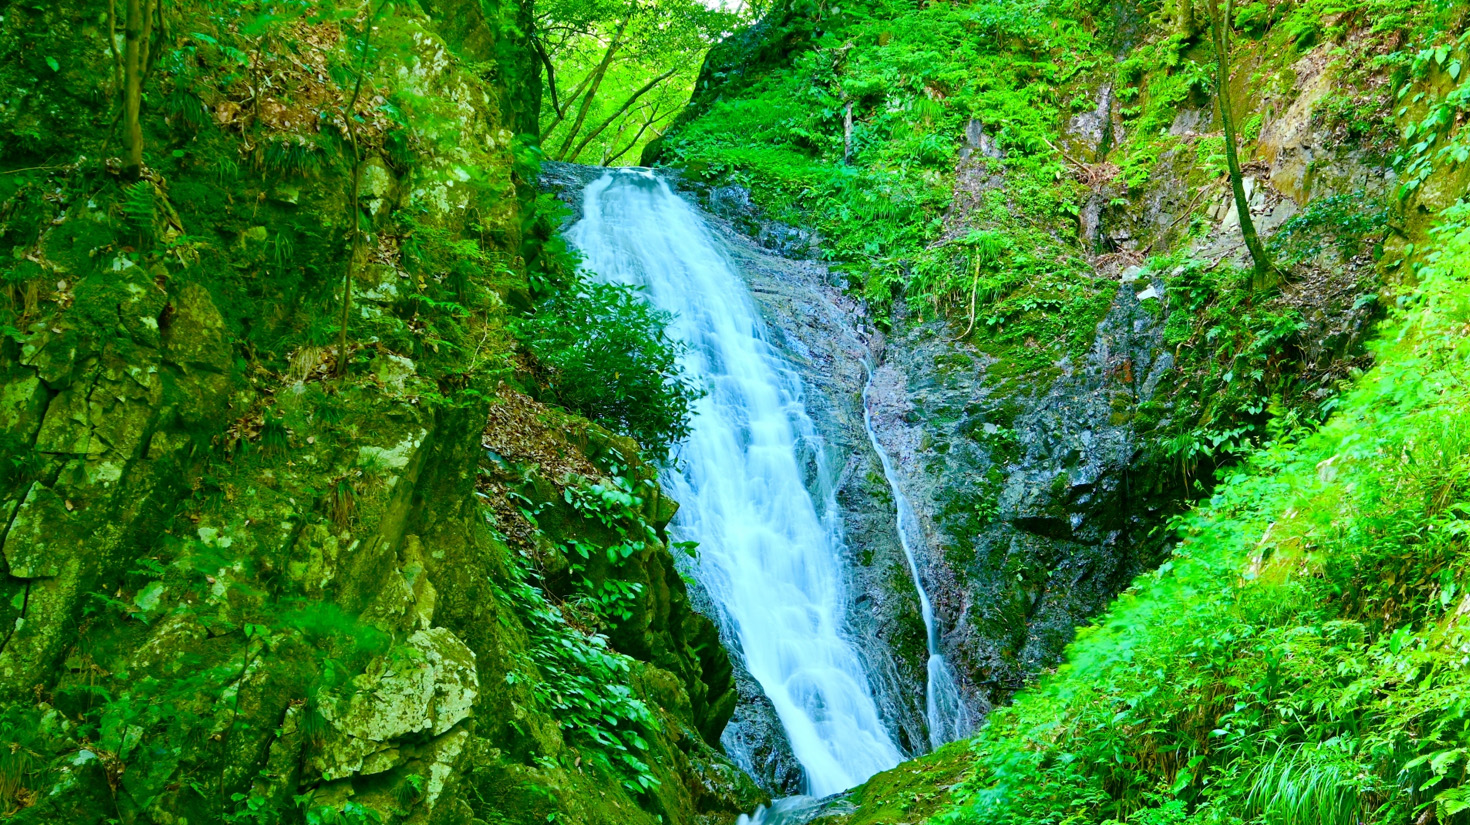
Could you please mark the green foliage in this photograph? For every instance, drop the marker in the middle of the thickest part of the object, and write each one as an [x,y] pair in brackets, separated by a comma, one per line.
[914,80]
[143,727]
[583,682]
[584,685]
[138,205]
[605,353]
[1345,223]
[615,506]
[350,813]
[1242,367]
[288,157]
[157,696]
[1308,784]
[1300,659]
[1431,141]
[619,71]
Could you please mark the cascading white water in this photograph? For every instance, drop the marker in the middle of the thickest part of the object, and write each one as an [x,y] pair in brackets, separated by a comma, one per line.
[945,711]
[769,555]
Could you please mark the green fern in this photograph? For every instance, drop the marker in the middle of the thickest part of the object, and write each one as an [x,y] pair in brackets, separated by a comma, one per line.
[275,439]
[291,157]
[138,205]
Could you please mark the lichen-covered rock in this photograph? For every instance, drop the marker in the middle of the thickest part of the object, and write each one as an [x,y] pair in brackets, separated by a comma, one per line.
[29,548]
[420,689]
[240,586]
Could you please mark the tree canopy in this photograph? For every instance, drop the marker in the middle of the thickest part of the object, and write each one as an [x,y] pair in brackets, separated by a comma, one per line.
[617,71]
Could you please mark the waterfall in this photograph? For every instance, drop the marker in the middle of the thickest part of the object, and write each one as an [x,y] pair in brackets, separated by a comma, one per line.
[770,541]
[944,709]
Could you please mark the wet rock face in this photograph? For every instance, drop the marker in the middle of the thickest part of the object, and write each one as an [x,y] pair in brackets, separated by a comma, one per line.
[757,742]
[1035,507]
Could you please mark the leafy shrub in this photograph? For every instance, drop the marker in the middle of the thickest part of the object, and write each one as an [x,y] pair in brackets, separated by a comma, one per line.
[605,352]
[1302,658]
[1344,222]
[585,685]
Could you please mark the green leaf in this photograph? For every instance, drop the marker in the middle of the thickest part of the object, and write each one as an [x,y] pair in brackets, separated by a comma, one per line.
[51,61]
[1453,801]
[1399,638]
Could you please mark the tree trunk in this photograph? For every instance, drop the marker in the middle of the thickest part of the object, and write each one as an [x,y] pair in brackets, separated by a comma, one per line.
[627,104]
[550,73]
[1266,274]
[134,61]
[597,75]
[355,248]
[847,134]
[572,97]
[117,58]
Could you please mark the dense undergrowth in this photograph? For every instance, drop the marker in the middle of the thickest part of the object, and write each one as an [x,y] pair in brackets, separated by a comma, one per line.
[859,134]
[1303,656]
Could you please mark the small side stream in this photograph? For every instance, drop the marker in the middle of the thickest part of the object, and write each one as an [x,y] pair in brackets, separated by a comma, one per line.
[944,708]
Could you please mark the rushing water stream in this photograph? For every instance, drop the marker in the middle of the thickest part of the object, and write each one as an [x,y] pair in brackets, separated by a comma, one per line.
[754,489]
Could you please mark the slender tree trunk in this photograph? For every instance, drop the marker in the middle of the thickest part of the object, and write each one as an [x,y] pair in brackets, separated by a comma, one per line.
[1266,274]
[627,104]
[847,134]
[134,60]
[117,58]
[550,74]
[561,116]
[354,250]
[597,76]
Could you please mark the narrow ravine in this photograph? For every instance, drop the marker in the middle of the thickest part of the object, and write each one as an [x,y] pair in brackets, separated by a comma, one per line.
[754,489]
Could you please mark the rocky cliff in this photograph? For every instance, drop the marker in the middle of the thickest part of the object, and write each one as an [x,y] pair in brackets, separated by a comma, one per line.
[1046,437]
[240,587]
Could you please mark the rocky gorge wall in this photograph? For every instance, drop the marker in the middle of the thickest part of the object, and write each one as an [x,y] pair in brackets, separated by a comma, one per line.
[240,588]
[824,335]
[1044,487]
